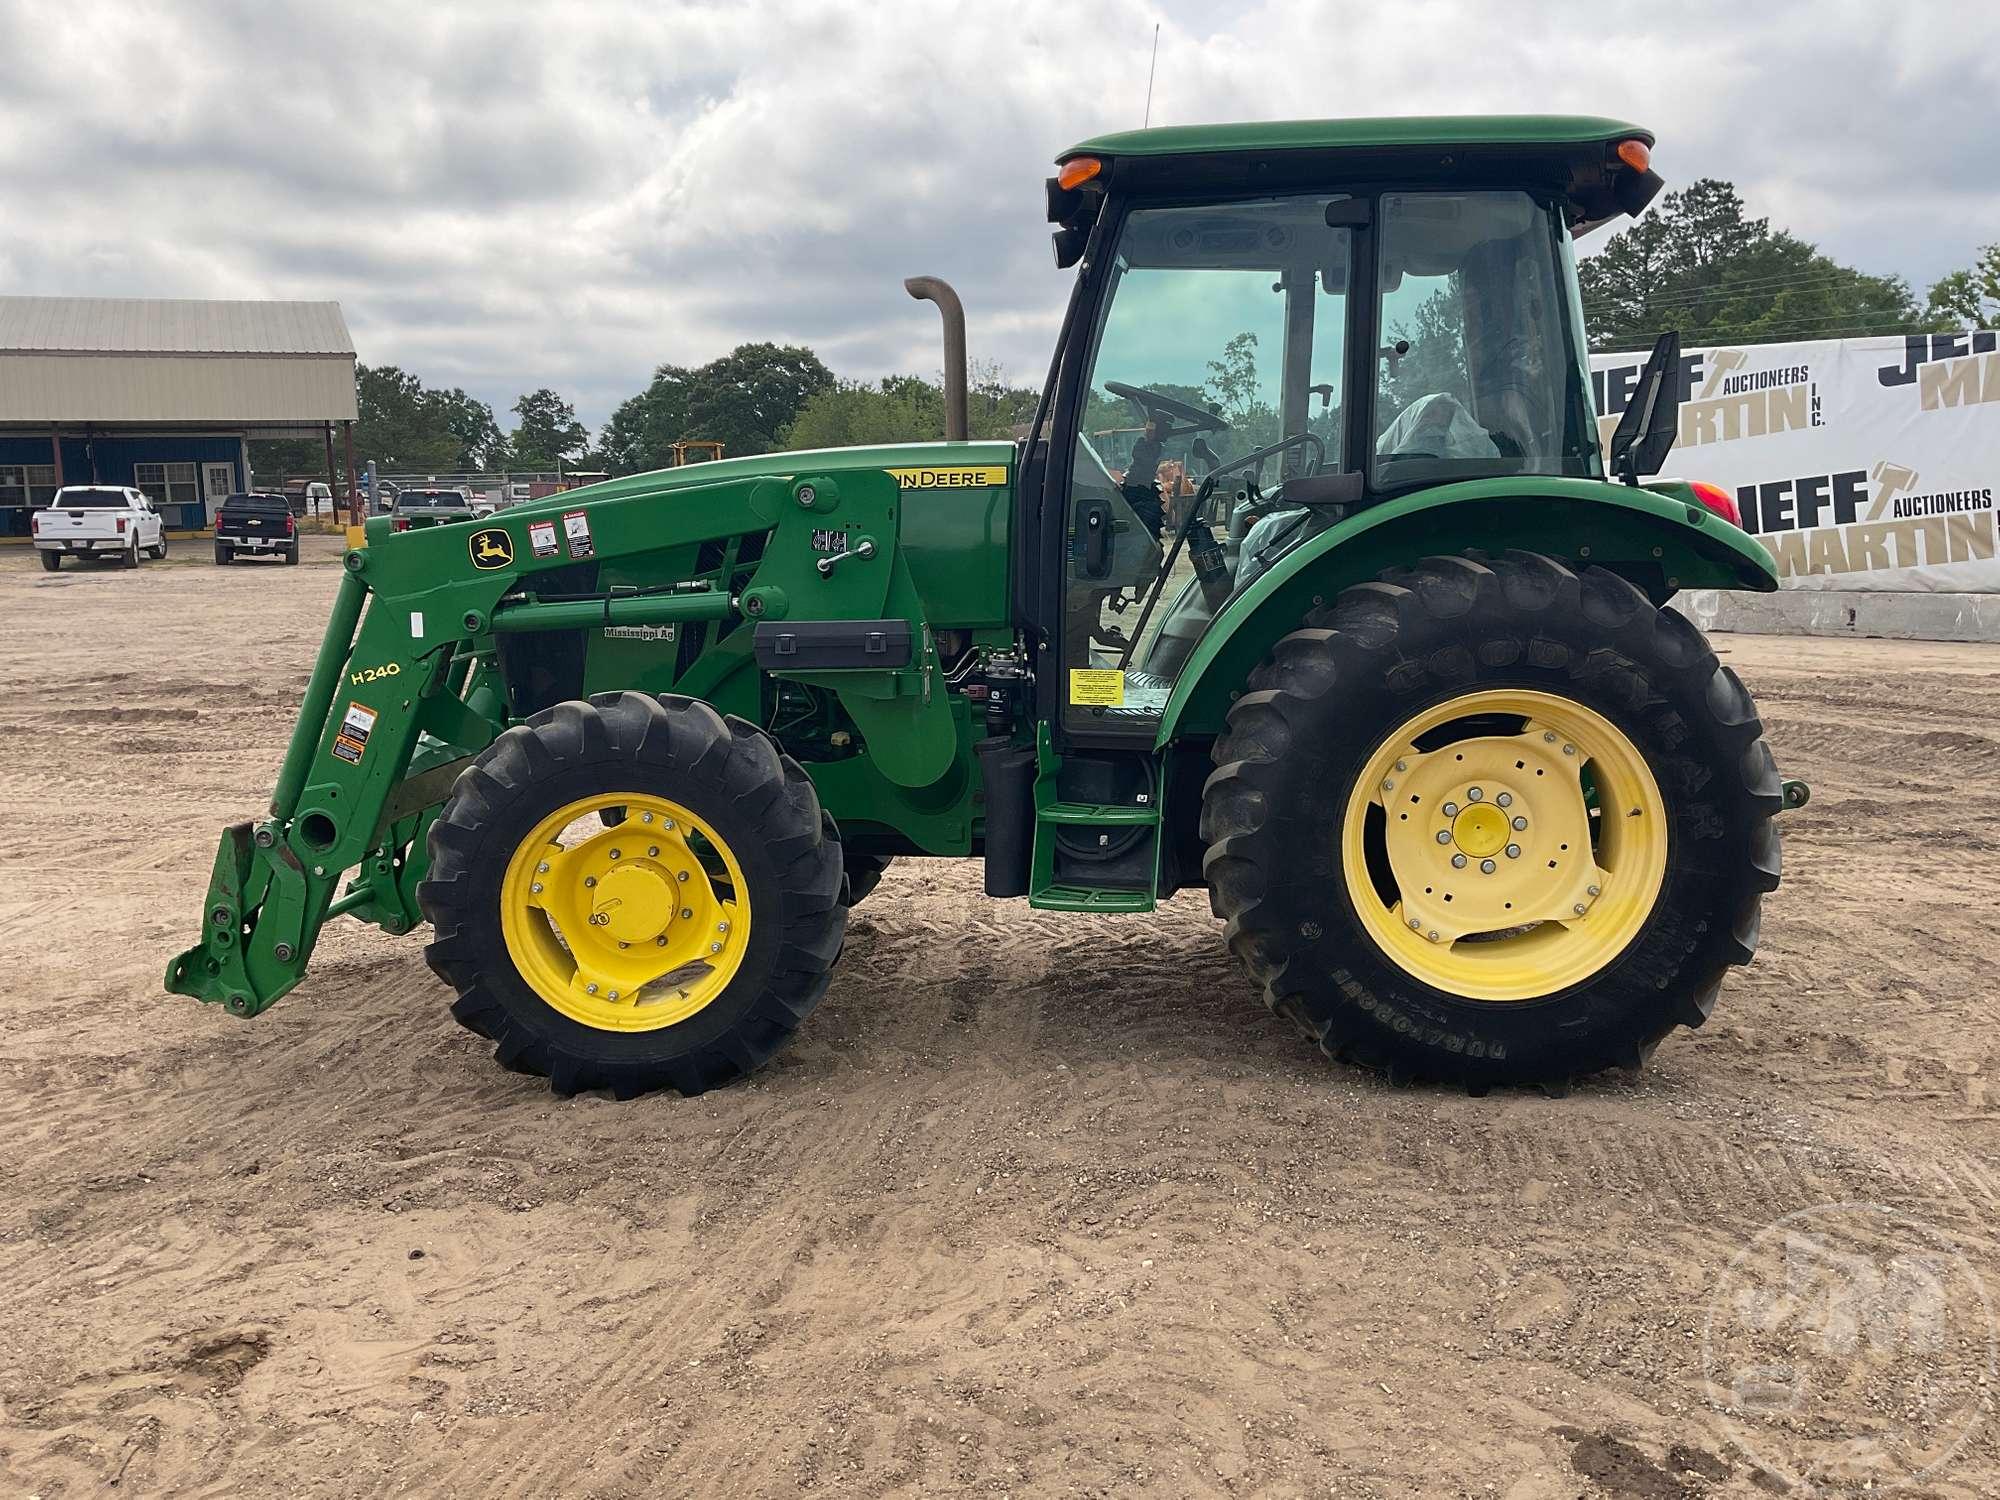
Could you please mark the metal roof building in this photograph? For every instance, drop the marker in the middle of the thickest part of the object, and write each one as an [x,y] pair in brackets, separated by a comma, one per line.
[161,394]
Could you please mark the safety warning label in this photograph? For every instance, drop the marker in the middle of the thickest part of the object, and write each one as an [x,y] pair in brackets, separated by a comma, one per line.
[355,727]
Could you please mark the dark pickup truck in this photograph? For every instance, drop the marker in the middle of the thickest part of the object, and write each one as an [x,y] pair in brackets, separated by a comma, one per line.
[257,526]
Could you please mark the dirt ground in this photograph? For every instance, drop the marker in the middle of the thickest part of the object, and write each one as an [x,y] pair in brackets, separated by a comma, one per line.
[1036,1204]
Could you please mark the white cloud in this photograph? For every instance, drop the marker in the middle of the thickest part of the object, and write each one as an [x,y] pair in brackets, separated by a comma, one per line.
[504,196]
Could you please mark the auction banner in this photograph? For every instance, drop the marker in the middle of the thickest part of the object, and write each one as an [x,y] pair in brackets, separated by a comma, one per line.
[1861,463]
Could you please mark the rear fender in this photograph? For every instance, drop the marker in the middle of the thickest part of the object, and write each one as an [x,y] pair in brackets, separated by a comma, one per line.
[1660,537]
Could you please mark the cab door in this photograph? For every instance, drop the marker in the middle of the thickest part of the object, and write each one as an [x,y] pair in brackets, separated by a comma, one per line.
[1213,372]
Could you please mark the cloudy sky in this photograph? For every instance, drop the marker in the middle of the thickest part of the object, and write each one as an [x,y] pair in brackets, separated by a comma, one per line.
[504,196]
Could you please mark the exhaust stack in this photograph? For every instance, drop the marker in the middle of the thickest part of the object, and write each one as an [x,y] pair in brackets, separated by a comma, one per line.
[935,289]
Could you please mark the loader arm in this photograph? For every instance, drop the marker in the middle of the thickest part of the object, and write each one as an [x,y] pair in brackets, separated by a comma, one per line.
[412,681]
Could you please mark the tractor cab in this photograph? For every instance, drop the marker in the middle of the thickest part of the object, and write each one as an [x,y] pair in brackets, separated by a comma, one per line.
[1301,321]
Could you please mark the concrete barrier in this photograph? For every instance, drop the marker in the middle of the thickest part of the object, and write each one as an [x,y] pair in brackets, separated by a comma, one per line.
[1896,617]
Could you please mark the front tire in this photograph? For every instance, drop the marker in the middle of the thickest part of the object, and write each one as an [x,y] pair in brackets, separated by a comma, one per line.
[159,550]
[1409,923]
[677,944]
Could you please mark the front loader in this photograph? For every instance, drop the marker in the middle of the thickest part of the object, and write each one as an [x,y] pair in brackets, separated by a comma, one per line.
[1364,633]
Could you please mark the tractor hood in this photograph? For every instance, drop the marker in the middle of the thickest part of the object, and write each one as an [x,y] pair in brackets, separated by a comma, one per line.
[934,458]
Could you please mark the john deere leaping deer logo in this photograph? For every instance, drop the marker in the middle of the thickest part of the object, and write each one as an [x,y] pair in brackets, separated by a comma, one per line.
[491,548]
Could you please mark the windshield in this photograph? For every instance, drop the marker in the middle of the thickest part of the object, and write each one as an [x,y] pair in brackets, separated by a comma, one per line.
[91,500]
[1476,373]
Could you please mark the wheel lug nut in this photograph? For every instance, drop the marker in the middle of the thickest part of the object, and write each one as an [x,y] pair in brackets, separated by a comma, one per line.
[1444,837]
[686,911]
[680,874]
[1549,736]
[1473,794]
[1388,786]
[1519,824]
[1569,749]
[1434,937]
[1486,867]
[652,851]
[715,947]
[589,880]
[724,926]
[659,942]
[1458,861]
[542,868]
[1451,809]
[1402,765]
[536,888]
[1513,851]
[590,989]
[1505,799]
[1591,891]
[668,823]
[1415,925]
[1578,908]
[645,817]
[622,945]
[614,853]
[614,994]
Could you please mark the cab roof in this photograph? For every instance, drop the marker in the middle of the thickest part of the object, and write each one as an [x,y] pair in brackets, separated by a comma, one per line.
[1386,133]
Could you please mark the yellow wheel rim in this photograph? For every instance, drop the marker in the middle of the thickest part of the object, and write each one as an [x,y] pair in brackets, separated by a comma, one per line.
[626,926]
[1505,845]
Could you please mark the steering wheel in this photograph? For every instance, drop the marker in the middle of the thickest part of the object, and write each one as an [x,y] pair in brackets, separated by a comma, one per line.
[1190,417]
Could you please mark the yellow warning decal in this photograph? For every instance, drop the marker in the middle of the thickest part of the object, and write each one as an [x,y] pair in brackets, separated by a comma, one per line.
[978,477]
[1096,687]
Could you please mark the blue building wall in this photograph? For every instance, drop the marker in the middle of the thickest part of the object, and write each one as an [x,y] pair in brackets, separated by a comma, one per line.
[110,459]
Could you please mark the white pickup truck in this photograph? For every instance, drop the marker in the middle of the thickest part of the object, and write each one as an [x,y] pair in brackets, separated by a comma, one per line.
[98,520]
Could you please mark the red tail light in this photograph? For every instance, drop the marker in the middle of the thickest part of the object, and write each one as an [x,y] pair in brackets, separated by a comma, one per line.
[402,523]
[1719,500]
[290,528]
[121,526]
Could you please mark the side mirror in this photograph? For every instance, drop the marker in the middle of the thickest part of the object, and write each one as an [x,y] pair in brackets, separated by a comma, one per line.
[1652,419]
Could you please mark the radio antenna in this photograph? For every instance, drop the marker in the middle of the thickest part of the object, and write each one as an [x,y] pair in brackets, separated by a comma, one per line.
[1149,76]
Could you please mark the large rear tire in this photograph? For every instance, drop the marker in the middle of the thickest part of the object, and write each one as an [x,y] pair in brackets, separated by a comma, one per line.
[51,561]
[1489,821]
[676,946]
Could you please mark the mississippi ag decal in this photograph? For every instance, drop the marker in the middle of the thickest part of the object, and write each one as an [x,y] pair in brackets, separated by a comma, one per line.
[490,547]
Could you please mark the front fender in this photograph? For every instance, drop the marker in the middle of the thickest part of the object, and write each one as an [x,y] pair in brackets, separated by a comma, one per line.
[1659,537]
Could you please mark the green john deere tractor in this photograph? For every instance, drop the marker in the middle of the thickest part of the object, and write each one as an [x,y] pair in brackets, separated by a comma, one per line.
[1362,631]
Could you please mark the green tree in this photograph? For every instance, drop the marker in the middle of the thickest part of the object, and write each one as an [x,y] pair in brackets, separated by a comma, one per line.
[1969,298]
[481,444]
[909,409]
[548,435]
[1698,264]
[744,400]
[401,426]
[749,396]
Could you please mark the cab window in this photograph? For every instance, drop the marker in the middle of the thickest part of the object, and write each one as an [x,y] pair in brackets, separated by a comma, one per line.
[1215,378]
